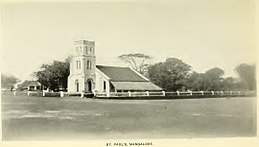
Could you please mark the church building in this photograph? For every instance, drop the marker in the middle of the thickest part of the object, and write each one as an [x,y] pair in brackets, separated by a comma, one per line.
[86,76]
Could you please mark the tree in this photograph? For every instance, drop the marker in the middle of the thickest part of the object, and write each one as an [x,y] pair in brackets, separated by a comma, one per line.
[229,83]
[214,79]
[8,81]
[138,62]
[215,73]
[54,76]
[210,80]
[197,81]
[170,75]
[246,74]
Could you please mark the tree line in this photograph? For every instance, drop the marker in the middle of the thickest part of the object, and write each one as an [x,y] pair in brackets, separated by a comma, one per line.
[171,75]
[176,75]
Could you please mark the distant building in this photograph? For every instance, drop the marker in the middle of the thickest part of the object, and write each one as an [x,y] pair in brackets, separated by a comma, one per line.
[29,86]
[86,76]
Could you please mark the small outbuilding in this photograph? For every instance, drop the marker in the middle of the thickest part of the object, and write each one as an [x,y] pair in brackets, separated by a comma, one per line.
[29,86]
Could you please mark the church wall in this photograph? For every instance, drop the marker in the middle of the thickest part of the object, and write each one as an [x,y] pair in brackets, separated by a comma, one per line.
[72,80]
[100,83]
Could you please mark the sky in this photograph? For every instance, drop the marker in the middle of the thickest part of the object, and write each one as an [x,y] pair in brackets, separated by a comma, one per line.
[202,33]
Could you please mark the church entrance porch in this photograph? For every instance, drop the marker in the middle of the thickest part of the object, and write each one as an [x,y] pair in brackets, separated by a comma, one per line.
[88,86]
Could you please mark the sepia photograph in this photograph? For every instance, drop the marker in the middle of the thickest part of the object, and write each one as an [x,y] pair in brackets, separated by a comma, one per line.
[107,70]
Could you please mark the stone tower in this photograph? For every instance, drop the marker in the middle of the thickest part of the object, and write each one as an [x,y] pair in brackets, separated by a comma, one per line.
[82,67]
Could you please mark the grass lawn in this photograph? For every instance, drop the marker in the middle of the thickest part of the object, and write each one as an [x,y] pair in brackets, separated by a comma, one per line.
[40,118]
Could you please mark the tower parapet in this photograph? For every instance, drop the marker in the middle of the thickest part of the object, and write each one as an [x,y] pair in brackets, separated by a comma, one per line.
[84,47]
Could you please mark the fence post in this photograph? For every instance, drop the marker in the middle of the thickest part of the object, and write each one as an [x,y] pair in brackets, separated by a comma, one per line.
[43,93]
[217,92]
[178,93]
[222,93]
[95,93]
[108,94]
[190,92]
[230,92]
[14,93]
[163,92]
[202,93]
[61,94]
[129,93]
[147,93]
[212,92]
[82,94]
[28,93]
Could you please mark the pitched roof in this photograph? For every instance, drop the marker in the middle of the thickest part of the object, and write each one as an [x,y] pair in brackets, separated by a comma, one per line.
[121,74]
[30,83]
[135,86]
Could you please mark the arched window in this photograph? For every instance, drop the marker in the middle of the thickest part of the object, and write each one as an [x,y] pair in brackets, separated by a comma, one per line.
[104,85]
[76,64]
[77,85]
[79,67]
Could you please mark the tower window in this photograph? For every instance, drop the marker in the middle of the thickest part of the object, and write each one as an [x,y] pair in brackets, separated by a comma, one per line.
[88,64]
[90,49]
[78,64]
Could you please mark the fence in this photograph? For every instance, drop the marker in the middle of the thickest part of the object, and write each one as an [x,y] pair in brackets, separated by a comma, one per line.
[139,94]
[130,94]
[177,93]
[120,94]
